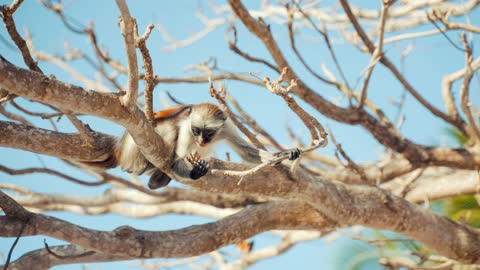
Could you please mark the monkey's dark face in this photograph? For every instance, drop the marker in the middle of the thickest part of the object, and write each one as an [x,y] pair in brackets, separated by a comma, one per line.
[206,122]
[203,136]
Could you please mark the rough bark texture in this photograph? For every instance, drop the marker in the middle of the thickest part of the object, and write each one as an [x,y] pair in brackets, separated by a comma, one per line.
[314,199]
[63,145]
[343,205]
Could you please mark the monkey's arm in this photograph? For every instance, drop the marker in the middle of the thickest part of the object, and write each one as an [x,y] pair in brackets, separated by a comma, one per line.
[132,160]
[244,149]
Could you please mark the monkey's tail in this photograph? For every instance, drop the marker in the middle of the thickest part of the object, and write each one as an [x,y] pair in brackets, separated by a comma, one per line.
[110,162]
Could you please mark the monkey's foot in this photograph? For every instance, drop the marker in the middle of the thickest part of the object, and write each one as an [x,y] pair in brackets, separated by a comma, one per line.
[158,180]
[200,168]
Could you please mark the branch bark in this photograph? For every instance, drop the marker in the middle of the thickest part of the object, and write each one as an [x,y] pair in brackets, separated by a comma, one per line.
[44,259]
[128,26]
[38,87]
[190,241]
[385,133]
[62,145]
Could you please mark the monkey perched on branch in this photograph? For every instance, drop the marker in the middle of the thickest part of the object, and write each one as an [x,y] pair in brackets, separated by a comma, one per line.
[190,133]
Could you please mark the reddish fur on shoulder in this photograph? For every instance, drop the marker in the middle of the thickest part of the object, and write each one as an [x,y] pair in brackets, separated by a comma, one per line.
[171,112]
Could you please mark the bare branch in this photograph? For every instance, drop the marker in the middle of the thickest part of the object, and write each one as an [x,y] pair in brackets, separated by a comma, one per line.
[233,46]
[252,123]
[29,198]
[9,256]
[148,77]
[472,128]
[128,26]
[14,117]
[291,36]
[458,123]
[377,54]
[63,145]
[219,95]
[51,172]
[317,132]
[13,210]
[7,12]
[351,164]
[190,241]
[69,97]
[42,258]
[213,77]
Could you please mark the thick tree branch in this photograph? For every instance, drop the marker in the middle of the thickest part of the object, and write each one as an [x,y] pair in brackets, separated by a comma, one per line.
[62,145]
[190,241]
[349,205]
[341,204]
[38,87]
[44,259]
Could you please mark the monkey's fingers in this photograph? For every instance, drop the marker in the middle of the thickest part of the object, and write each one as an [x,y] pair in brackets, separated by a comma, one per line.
[199,169]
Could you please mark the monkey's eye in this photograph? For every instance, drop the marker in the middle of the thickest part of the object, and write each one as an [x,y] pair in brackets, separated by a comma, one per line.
[195,131]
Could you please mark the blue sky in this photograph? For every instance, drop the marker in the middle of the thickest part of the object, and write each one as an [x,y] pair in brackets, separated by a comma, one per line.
[432,58]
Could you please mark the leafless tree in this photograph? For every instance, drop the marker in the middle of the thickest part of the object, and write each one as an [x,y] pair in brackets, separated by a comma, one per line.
[304,202]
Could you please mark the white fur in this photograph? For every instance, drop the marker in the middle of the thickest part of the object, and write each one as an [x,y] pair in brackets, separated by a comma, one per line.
[128,146]
[167,132]
[186,142]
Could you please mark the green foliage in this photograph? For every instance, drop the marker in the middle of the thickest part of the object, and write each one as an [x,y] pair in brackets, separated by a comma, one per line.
[462,208]
[457,135]
[359,255]
[356,255]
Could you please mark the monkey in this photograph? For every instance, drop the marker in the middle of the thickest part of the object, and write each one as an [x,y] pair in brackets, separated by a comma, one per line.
[188,129]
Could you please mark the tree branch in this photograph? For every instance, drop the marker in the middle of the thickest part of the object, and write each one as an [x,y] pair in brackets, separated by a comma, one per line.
[62,145]
[457,122]
[149,75]
[38,87]
[128,26]
[44,259]
[190,241]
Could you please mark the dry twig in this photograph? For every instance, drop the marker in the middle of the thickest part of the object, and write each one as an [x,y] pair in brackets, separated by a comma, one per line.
[149,75]
[128,26]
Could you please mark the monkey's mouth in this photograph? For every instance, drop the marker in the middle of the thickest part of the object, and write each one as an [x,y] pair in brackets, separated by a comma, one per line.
[201,144]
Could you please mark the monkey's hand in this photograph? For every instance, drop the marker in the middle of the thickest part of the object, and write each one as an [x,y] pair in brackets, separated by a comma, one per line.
[292,154]
[200,168]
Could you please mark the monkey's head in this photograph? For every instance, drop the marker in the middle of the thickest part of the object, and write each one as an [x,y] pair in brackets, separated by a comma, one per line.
[206,121]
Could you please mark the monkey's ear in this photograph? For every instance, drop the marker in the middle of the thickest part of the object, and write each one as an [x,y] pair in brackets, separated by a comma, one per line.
[189,110]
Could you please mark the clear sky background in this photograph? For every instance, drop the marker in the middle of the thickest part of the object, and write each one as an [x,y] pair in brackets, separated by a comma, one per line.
[432,58]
